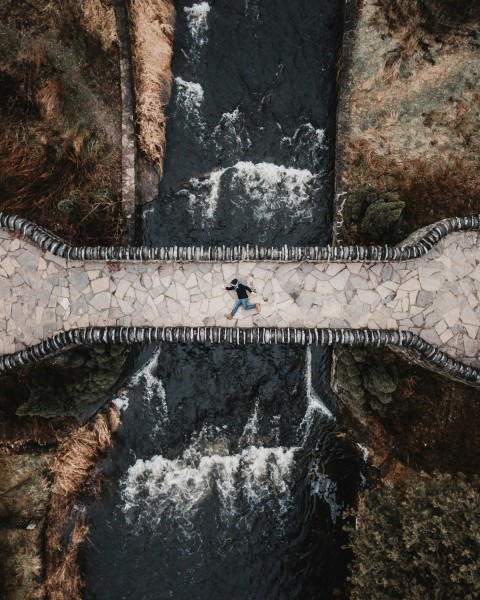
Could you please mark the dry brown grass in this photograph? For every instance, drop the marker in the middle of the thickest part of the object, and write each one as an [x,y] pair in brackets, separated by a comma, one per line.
[418,25]
[73,473]
[59,153]
[24,492]
[429,16]
[36,178]
[98,19]
[152,23]
[431,189]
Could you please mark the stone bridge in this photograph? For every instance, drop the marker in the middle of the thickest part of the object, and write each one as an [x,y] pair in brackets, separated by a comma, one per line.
[429,287]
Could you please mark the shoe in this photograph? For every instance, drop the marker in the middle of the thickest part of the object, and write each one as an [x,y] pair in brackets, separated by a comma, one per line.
[229,317]
[257,306]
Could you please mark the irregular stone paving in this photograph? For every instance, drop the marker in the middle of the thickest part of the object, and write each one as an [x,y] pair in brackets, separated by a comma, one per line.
[436,297]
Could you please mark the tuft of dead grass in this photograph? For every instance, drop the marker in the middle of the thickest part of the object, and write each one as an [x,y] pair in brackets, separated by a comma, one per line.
[152,24]
[99,20]
[49,97]
[73,473]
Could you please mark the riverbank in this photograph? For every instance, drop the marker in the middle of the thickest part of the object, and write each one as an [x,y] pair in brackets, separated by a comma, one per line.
[407,154]
[60,166]
[74,169]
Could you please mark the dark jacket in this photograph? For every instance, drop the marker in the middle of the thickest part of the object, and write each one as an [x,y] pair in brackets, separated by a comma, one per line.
[240,289]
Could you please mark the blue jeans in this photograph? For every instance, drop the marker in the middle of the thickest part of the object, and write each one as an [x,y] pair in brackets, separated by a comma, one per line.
[243,302]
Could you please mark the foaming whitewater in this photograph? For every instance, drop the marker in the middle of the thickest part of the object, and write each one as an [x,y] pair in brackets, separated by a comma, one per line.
[315,406]
[325,488]
[306,145]
[270,188]
[239,483]
[154,396]
[197,21]
[230,136]
[190,95]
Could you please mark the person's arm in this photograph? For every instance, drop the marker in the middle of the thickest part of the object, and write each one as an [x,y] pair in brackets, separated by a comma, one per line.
[230,288]
[248,289]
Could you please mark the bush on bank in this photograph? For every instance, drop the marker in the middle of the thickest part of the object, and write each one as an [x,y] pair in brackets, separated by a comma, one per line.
[374,217]
[419,540]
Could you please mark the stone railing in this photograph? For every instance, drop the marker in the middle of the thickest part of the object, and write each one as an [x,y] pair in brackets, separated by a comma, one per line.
[402,252]
[409,342]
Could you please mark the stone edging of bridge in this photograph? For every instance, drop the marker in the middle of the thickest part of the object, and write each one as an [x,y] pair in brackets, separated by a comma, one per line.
[413,344]
[401,252]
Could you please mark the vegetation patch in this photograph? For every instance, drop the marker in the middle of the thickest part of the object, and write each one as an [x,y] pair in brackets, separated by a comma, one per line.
[419,539]
[60,117]
[370,215]
[411,159]
[24,490]
[74,480]
[365,384]
[68,383]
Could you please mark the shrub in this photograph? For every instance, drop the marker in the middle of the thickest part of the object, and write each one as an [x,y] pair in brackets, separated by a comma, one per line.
[68,383]
[418,541]
[365,383]
[372,216]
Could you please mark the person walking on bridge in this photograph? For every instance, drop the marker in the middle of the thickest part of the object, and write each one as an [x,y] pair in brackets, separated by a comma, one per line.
[242,293]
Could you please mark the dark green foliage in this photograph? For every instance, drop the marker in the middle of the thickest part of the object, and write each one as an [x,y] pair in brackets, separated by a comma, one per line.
[67,384]
[382,219]
[69,204]
[373,217]
[419,541]
[365,383]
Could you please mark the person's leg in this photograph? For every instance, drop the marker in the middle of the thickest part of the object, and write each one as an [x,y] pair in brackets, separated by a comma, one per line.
[236,306]
[246,305]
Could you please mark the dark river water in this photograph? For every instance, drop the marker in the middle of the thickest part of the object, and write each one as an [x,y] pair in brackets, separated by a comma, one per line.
[229,477]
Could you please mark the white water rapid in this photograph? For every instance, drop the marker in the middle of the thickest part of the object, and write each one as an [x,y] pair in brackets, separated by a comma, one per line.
[272,189]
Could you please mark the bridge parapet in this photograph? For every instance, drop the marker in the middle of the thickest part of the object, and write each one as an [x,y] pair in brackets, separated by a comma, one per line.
[404,251]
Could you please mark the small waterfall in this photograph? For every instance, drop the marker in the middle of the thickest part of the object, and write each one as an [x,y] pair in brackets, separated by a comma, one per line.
[270,189]
[152,389]
[190,100]
[197,20]
[239,482]
[315,406]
